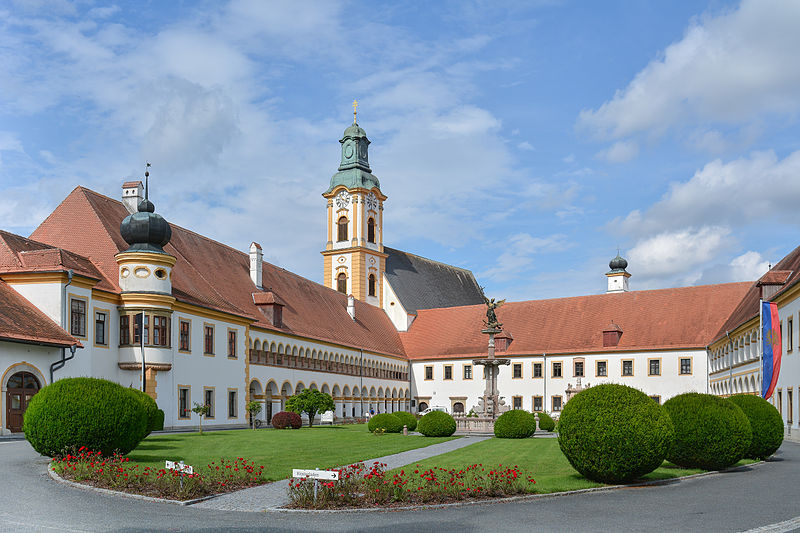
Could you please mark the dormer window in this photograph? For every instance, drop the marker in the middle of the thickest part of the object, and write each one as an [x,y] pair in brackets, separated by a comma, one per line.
[371,230]
[342,224]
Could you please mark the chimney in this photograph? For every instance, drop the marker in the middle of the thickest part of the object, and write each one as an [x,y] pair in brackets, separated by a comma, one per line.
[132,194]
[255,264]
[351,306]
[611,335]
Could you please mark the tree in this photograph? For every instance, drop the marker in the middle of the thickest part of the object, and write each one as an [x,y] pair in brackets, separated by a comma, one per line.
[310,402]
[202,411]
[253,407]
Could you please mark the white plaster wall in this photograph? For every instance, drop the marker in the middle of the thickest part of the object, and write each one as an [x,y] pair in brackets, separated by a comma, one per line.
[343,260]
[46,296]
[394,309]
[141,276]
[17,357]
[789,377]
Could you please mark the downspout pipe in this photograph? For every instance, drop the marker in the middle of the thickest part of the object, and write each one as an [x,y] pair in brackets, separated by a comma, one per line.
[60,363]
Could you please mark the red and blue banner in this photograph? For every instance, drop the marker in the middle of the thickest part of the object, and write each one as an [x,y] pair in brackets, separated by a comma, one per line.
[771,348]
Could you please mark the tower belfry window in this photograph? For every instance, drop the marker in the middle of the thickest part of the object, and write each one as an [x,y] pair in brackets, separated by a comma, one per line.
[372,284]
[342,236]
[371,230]
[341,283]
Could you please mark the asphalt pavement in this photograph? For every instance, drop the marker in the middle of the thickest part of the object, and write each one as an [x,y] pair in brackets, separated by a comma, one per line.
[763,496]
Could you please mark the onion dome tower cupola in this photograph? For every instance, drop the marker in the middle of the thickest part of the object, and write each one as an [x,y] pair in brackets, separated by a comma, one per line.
[145,267]
[618,276]
[354,171]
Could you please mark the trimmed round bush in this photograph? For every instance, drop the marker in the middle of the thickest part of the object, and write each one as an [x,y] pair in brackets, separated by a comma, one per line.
[407,419]
[436,424]
[710,432]
[515,424]
[150,409]
[286,420]
[386,421]
[765,422]
[546,422]
[614,433]
[159,424]
[96,413]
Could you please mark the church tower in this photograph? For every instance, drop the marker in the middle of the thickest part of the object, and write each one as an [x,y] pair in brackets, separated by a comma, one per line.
[618,276]
[354,258]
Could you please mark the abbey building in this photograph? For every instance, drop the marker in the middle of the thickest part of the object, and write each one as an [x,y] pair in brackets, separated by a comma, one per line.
[103,285]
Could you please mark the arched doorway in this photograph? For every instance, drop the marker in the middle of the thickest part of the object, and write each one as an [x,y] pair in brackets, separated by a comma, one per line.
[20,389]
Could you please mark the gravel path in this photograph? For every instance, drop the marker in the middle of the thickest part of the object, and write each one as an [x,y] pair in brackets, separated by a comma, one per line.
[275,495]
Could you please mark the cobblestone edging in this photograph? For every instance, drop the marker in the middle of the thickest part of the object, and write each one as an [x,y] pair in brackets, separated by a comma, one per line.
[527,497]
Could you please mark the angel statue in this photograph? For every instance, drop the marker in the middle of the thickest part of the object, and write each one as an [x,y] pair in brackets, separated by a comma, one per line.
[491,321]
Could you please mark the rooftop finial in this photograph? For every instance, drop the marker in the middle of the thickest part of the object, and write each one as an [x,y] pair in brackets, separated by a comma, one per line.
[355,109]
[146,180]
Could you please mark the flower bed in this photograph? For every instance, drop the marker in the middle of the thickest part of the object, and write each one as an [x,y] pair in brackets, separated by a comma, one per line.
[118,473]
[359,486]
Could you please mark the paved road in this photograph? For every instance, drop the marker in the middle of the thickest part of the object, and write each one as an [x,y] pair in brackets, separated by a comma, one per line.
[737,501]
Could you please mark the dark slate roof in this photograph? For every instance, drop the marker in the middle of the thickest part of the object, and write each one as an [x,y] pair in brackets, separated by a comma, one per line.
[421,283]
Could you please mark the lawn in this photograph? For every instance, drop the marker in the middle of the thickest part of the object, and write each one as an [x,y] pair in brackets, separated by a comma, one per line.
[540,457]
[278,450]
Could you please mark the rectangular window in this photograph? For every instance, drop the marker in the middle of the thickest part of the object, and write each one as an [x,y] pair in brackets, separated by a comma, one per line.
[537,370]
[77,317]
[780,403]
[789,333]
[209,401]
[232,406]
[789,406]
[208,339]
[656,399]
[428,373]
[160,331]
[654,367]
[124,330]
[137,325]
[556,370]
[537,403]
[627,367]
[100,331]
[686,366]
[448,372]
[601,369]
[578,369]
[184,335]
[517,402]
[231,343]
[517,370]
[183,402]
[467,371]
[556,403]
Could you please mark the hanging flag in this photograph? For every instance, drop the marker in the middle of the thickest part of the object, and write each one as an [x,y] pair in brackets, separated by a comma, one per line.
[771,348]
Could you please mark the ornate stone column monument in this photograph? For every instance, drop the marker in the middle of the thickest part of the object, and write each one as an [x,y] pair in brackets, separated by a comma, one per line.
[490,405]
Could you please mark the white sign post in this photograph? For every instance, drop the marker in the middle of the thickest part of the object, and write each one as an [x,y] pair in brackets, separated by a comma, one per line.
[180,467]
[316,475]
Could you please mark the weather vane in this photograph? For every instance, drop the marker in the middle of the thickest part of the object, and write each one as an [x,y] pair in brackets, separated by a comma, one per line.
[355,108]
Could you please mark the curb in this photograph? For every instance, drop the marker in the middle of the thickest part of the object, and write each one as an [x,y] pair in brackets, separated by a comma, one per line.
[110,492]
[529,497]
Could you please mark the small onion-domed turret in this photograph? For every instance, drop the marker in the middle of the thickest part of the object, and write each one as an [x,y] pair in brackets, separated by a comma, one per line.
[618,263]
[145,230]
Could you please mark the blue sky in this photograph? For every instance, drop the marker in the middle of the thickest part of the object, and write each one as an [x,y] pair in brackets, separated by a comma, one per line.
[524,141]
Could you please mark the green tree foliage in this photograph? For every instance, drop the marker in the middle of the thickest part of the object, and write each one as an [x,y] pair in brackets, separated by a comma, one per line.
[73,412]
[710,432]
[407,419]
[546,422]
[201,410]
[388,422]
[311,402]
[151,408]
[614,433]
[437,424]
[766,423]
[515,424]
[253,407]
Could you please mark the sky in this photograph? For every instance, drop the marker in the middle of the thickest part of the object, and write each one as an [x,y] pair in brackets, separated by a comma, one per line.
[525,141]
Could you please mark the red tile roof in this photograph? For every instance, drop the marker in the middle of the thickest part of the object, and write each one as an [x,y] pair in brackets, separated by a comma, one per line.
[212,275]
[21,321]
[775,277]
[18,254]
[685,317]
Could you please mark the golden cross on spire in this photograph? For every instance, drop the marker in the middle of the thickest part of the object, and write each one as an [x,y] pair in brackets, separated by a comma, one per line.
[355,108]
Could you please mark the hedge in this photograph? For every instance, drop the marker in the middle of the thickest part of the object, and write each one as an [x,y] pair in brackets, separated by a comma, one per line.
[614,433]
[546,422]
[710,432]
[766,423]
[386,421]
[437,424]
[406,418]
[150,408]
[515,424]
[286,420]
[96,413]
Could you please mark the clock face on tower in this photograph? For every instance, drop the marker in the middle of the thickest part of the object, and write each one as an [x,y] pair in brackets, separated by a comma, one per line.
[349,150]
[372,202]
[342,200]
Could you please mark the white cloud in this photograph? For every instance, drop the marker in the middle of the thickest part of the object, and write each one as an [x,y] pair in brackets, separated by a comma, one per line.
[518,255]
[732,68]
[746,267]
[677,252]
[620,152]
[525,145]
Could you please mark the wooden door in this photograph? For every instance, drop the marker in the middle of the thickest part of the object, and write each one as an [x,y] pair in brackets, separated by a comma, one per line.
[21,387]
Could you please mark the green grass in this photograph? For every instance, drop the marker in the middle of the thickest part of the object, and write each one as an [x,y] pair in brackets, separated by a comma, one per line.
[542,458]
[278,450]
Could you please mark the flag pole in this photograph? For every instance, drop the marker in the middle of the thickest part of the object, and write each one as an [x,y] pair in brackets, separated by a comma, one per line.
[760,346]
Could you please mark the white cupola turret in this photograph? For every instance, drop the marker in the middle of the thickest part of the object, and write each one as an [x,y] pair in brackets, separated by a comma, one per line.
[618,276]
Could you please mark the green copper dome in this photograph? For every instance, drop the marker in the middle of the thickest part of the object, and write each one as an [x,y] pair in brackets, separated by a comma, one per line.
[354,171]
[618,264]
